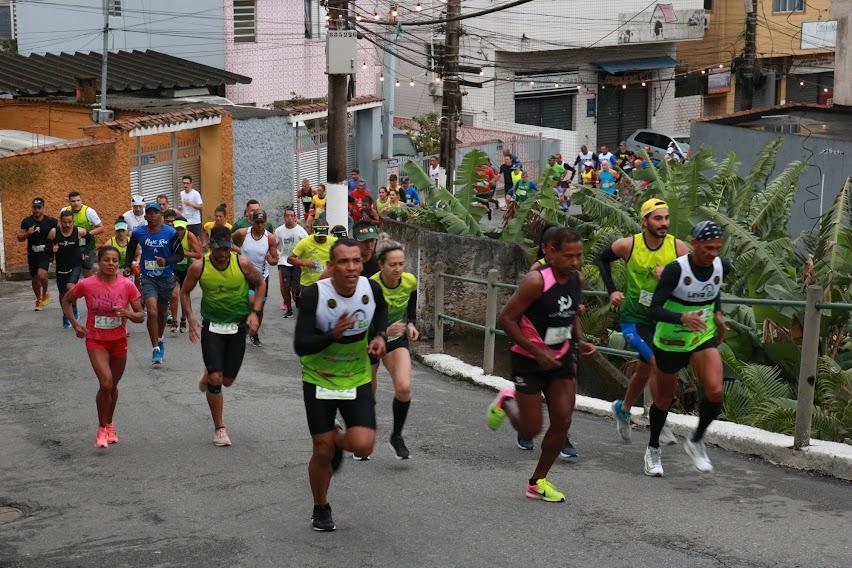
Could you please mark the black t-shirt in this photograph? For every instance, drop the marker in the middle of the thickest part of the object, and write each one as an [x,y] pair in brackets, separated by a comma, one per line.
[37,242]
[506,170]
[370,268]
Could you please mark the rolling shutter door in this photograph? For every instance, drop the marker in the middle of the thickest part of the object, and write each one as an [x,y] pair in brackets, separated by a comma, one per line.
[555,111]
[609,116]
[158,170]
[620,113]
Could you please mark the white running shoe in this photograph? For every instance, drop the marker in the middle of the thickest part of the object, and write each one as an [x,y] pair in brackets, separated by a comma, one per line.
[667,437]
[653,462]
[698,453]
[220,437]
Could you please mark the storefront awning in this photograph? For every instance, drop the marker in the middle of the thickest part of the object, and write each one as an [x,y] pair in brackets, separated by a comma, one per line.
[639,64]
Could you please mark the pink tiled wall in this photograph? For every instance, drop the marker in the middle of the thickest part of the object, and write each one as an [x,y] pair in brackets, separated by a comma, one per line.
[282,63]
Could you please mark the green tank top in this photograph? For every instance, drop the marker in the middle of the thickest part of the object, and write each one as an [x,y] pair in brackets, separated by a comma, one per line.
[81,219]
[224,297]
[122,250]
[183,265]
[397,298]
[641,277]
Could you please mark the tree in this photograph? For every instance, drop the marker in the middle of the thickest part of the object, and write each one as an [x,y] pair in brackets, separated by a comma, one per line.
[427,135]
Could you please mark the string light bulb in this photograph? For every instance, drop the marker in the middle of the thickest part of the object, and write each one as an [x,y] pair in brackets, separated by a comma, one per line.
[437,79]
[394,13]
[376,16]
[643,83]
[397,82]
[825,89]
[418,7]
[364,65]
[624,86]
[532,84]
[721,66]
[555,85]
[357,17]
[382,77]
[703,72]
[801,83]
[411,83]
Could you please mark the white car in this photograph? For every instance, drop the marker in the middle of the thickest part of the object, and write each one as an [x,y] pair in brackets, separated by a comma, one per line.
[659,142]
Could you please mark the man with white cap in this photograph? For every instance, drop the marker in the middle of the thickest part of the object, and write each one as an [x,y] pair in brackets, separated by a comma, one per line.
[135,217]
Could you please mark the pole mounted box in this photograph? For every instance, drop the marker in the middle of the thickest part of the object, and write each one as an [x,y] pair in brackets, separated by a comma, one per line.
[341,50]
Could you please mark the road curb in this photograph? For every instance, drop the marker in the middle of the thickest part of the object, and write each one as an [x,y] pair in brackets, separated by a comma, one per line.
[827,458]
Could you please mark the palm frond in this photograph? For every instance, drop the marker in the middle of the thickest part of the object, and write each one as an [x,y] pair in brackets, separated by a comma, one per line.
[834,245]
[607,210]
[418,177]
[770,209]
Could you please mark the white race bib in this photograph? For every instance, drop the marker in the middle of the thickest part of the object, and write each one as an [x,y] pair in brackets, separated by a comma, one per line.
[645,298]
[152,265]
[329,394]
[224,328]
[82,241]
[557,335]
[318,267]
[107,322]
[38,248]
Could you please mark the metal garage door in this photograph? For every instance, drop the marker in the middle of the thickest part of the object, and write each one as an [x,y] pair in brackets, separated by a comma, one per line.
[620,113]
[554,111]
[158,170]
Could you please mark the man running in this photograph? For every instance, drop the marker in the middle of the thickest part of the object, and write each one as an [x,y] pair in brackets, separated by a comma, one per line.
[312,254]
[540,320]
[191,246]
[35,230]
[690,326]
[645,255]
[225,278]
[161,250]
[340,324]
[136,215]
[261,248]
[65,244]
[287,236]
[192,206]
[86,218]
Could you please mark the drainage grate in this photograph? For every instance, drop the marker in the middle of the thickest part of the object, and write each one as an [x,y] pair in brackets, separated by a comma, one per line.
[10,514]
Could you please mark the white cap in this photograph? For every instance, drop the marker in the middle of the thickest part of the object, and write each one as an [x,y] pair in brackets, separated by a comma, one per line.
[670,150]
[137,200]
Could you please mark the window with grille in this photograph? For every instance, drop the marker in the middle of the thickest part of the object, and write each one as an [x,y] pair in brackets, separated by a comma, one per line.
[788,5]
[315,26]
[245,20]
[114,7]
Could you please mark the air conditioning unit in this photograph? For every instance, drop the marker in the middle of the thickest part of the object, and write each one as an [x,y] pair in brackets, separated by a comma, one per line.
[706,21]
[435,89]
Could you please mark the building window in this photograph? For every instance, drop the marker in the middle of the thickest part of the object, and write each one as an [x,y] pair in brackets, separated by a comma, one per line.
[115,7]
[552,110]
[788,5]
[315,26]
[245,21]
[708,5]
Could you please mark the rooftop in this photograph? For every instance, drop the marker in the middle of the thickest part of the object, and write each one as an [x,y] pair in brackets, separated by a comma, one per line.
[799,119]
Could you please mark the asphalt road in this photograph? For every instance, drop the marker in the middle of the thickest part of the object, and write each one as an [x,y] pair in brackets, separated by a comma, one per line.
[165,496]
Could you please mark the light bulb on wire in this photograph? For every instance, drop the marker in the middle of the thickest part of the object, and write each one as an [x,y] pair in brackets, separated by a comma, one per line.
[418,7]
[357,17]
[397,82]
[411,83]
[382,77]
[394,13]
[376,16]
[364,65]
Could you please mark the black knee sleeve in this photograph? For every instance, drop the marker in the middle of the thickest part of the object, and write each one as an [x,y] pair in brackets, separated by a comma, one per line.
[214,389]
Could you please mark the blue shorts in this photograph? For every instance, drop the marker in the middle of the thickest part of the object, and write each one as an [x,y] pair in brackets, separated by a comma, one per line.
[640,337]
[159,287]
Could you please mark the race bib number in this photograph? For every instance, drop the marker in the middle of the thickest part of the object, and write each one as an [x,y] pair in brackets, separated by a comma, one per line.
[318,267]
[224,328]
[329,394]
[152,265]
[645,298]
[38,248]
[107,322]
[82,241]
[557,335]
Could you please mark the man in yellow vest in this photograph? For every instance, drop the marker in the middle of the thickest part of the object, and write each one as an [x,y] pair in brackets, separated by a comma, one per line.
[86,218]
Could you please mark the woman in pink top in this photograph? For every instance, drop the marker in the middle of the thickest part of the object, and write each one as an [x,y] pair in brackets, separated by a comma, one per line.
[107,296]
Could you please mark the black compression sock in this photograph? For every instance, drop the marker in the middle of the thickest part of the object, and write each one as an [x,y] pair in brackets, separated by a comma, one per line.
[707,413]
[533,481]
[400,413]
[658,420]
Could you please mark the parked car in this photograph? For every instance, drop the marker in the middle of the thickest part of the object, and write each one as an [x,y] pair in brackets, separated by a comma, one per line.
[658,141]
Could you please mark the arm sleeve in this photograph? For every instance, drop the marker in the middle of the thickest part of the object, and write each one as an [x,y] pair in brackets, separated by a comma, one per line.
[665,286]
[605,258]
[411,312]
[307,340]
[177,249]
[132,244]
[380,318]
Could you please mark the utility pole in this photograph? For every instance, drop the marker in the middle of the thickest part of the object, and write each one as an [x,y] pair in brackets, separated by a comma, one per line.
[749,54]
[337,111]
[103,108]
[451,100]
[389,85]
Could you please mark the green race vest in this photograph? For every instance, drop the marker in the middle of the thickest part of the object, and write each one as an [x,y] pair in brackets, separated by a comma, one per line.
[397,298]
[224,297]
[122,250]
[81,220]
[641,277]
[183,265]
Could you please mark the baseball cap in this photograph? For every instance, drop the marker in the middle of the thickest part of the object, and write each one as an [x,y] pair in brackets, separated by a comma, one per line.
[38,202]
[652,205]
[121,226]
[339,231]
[137,200]
[152,205]
[321,226]
[670,150]
[516,166]
[588,163]
[259,216]
[365,232]
[220,237]
[179,224]
[706,231]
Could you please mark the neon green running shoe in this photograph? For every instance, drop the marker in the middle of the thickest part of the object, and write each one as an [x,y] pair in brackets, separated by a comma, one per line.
[545,491]
[496,414]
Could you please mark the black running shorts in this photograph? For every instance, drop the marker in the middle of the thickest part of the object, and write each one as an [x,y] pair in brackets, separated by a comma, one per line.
[223,353]
[673,361]
[63,279]
[360,411]
[530,378]
[38,261]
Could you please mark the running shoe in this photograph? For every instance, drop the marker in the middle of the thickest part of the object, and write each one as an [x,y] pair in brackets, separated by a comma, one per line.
[622,420]
[667,436]
[38,307]
[568,451]
[398,445]
[220,437]
[698,453]
[255,340]
[288,313]
[66,323]
[653,462]
[358,458]
[525,443]
[157,356]
[101,440]
[321,519]
[183,325]
[544,491]
[45,300]
[161,345]
[169,318]
[496,414]
[173,327]
[112,437]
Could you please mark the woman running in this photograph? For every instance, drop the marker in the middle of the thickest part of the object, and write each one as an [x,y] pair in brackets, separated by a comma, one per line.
[107,296]
[400,291]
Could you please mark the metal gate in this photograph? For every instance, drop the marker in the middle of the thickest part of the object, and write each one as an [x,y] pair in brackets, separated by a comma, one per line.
[157,170]
[620,113]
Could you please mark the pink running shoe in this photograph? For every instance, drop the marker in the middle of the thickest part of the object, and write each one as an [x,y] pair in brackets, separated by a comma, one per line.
[101,438]
[112,437]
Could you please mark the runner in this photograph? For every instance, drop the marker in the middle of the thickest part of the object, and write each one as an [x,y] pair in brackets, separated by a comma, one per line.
[312,254]
[341,322]
[287,236]
[35,230]
[261,248]
[121,239]
[161,250]
[225,278]
[540,320]
[65,243]
[645,255]
[399,289]
[191,250]
[220,214]
[136,215]
[107,296]
[86,218]
[690,327]
[192,206]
